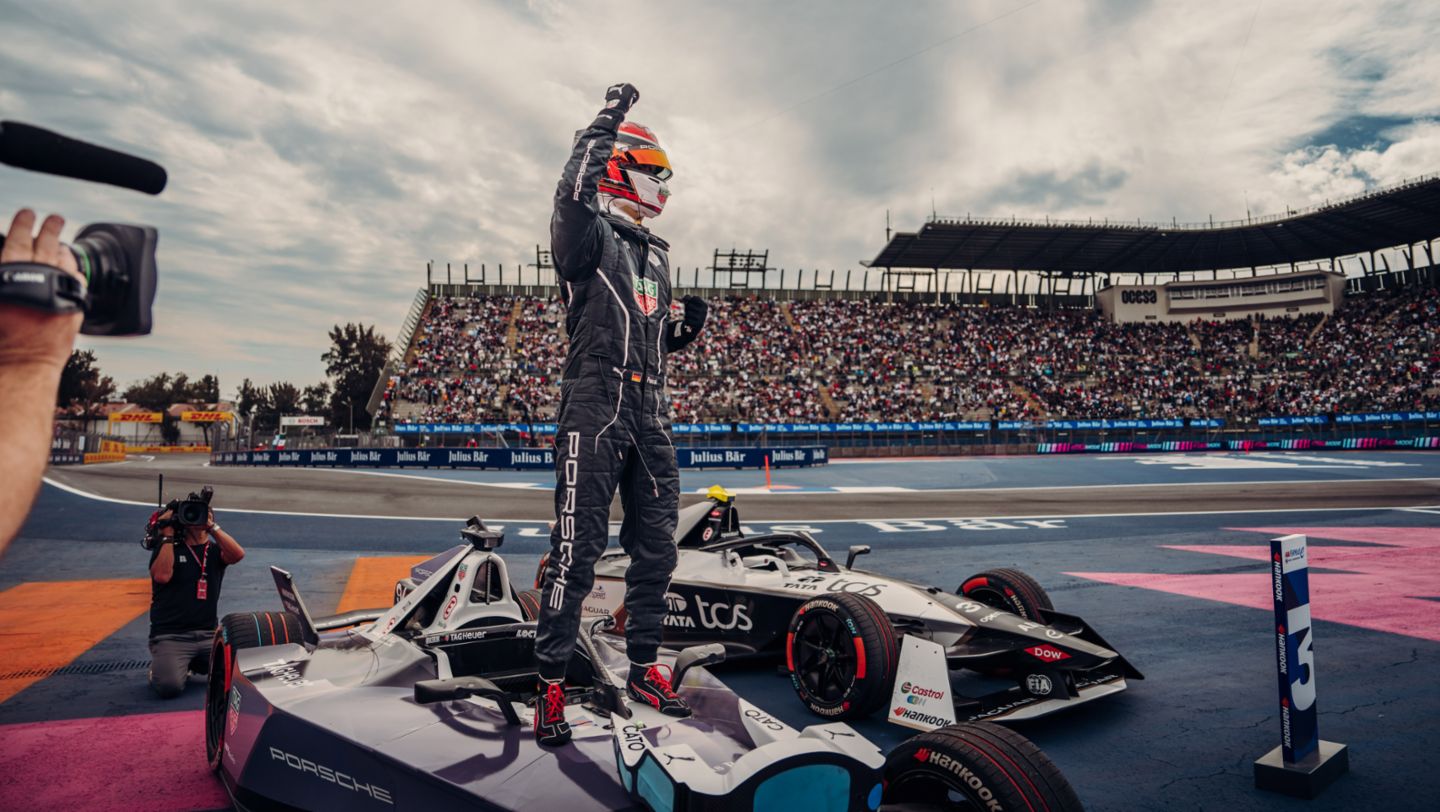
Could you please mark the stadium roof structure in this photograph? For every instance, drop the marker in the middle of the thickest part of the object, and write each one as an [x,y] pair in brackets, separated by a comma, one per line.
[1403,215]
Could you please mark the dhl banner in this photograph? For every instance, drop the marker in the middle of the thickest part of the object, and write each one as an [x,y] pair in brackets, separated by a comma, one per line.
[166,449]
[135,417]
[206,417]
[112,447]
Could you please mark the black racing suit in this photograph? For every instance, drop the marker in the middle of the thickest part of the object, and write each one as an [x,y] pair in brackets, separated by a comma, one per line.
[614,419]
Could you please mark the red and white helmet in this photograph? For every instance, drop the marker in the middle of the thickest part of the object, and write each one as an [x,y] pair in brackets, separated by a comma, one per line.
[635,175]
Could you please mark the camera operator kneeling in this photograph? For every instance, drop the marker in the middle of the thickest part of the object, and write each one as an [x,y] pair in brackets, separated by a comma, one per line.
[186,569]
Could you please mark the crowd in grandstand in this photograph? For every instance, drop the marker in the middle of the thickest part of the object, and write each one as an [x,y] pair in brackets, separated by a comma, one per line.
[760,360]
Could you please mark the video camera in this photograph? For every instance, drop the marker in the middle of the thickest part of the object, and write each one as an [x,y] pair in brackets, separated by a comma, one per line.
[117,261]
[192,511]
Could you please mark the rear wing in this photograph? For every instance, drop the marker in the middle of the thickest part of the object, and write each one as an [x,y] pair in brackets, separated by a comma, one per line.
[295,605]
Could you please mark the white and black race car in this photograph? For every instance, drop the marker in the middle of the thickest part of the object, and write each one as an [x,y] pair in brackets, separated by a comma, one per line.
[429,705]
[854,641]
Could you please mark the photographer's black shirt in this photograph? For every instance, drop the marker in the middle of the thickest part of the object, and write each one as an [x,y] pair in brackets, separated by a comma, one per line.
[174,607]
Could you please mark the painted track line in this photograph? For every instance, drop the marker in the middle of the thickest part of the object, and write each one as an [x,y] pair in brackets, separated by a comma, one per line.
[1359,509]
[97,497]
[514,486]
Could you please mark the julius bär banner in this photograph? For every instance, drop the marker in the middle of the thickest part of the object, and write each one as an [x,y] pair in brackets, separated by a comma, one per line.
[1294,649]
[508,458]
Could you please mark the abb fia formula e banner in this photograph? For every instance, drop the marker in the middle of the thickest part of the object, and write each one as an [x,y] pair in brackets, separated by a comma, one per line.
[1294,647]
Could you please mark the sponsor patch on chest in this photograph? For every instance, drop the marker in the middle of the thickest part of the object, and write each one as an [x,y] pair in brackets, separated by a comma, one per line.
[647,294]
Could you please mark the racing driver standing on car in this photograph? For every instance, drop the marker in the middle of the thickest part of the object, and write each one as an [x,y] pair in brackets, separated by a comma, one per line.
[614,278]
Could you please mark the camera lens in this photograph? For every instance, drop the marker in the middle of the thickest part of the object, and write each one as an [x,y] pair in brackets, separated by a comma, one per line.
[119,263]
[192,513]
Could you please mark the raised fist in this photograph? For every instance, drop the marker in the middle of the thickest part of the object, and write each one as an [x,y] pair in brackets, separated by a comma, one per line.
[621,97]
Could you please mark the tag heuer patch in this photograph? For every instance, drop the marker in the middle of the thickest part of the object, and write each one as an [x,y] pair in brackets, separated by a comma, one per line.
[646,295]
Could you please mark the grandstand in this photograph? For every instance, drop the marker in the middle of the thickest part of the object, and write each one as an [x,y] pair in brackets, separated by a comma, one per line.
[1235,347]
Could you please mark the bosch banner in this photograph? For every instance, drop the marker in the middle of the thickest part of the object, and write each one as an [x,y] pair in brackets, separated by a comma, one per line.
[1294,649]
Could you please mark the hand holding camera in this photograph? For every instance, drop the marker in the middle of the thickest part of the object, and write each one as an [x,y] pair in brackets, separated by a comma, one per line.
[26,333]
[109,272]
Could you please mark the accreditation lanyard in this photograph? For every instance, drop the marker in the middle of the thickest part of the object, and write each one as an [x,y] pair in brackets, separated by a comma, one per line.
[202,588]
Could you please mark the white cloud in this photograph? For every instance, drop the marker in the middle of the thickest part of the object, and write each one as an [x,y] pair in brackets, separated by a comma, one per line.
[320,153]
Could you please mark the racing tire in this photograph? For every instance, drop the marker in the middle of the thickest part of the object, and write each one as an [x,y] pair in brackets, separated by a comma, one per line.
[529,601]
[841,651]
[540,570]
[237,631]
[1007,589]
[975,765]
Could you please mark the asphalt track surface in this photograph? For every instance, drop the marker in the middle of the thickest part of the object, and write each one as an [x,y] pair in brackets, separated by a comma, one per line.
[420,494]
[1160,556]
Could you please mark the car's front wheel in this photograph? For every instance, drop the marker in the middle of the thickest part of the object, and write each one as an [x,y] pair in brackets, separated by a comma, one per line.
[1007,589]
[237,631]
[841,651]
[974,766]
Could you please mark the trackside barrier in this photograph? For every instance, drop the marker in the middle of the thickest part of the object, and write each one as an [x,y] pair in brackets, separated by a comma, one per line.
[1353,444]
[1302,765]
[508,458]
[110,451]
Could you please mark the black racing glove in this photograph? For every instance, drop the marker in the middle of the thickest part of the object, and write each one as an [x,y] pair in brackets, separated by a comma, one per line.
[688,328]
[621,97]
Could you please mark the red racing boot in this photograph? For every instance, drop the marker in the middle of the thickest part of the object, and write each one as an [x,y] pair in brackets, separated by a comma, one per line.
[648,685]
[551,729]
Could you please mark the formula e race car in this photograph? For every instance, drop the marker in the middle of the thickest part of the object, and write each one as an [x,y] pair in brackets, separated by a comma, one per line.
[429,705]
[853,641]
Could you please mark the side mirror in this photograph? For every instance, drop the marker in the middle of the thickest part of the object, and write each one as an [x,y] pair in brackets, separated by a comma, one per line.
[696,655]
[443,690]
[856,550]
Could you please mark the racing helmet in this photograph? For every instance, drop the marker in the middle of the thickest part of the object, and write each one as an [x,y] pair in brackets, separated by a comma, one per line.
[635,175]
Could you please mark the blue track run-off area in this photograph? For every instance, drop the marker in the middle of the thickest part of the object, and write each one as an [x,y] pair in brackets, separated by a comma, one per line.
[1184,738]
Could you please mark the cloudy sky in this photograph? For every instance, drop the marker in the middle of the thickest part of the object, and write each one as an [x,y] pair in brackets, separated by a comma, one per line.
[320,153]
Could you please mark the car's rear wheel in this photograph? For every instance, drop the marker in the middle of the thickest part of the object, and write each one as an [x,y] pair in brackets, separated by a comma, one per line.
[1007,589]
[841,651]
[540,570]
[974,766]
[529,601]
[237,631]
